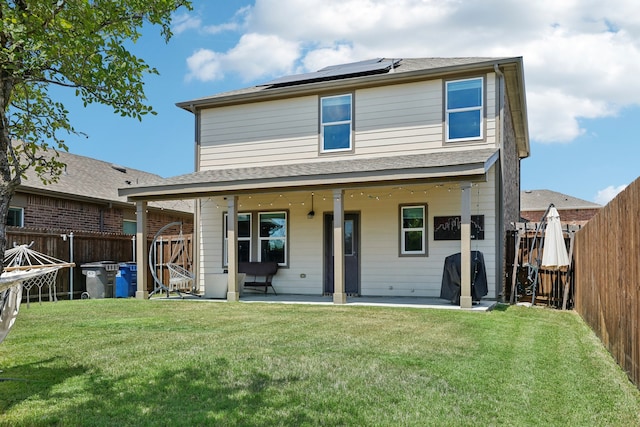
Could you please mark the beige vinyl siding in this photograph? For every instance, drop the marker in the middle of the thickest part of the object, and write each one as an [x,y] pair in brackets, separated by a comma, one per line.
[419,276]
[389,120]
[491,108]
[383,271]
[210,245]
[279,130]
[399,119]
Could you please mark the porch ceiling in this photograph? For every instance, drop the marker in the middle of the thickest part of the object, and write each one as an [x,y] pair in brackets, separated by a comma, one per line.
[329,173]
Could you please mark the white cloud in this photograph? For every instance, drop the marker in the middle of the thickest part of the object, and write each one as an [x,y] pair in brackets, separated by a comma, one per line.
[215,29]
[204,65]
[237,22]
[553,114]
[255,56]
[605,196]
[325,56]
[581,57]
[184,22]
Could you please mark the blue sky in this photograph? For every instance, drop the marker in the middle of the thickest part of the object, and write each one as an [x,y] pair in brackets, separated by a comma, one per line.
[581,60]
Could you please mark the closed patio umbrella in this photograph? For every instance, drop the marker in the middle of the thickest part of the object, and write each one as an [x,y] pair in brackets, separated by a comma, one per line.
[554,251]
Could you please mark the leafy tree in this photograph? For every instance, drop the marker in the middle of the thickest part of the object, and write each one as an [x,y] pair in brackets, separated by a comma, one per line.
[75,44]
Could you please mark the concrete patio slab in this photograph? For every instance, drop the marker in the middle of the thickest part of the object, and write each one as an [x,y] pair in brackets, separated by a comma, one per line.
[412,302]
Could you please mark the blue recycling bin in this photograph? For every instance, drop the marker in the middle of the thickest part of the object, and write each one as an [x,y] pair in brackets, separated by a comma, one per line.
[127,280]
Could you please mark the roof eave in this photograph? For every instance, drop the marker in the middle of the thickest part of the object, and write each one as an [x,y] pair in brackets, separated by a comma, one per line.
[514,80]
[353,83]
[467,172]
[94,200]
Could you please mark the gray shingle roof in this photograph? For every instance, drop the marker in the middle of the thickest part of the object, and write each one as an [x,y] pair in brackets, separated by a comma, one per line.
[88,178]
[445,165]
[375,165]
[406,65]
[539,200]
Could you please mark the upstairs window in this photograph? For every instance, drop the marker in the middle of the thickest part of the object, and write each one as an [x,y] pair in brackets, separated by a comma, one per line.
[335,123]
[464,109]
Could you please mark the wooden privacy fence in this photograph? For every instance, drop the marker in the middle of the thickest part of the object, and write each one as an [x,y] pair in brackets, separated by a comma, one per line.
[607,276]
[90,247]
[87,247]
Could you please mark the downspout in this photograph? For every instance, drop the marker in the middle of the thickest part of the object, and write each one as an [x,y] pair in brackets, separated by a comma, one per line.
[71,271]
[500,268]
[196,132]
[196,202]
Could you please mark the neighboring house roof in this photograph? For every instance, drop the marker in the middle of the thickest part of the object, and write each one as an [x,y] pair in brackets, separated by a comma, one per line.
[453,164]
[403,70]
[539,200]
[96,181]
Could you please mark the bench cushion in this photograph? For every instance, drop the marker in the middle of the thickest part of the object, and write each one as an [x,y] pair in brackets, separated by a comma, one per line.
[258,268]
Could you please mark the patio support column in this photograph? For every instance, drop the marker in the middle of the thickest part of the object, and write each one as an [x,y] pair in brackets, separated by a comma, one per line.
[233,293]
[339,296]
[142,253]
[465,247]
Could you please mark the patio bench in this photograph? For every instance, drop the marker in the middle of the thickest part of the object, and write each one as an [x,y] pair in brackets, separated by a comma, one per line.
[259,274]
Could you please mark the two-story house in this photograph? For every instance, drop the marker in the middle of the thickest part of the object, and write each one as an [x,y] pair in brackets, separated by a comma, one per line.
[358,179]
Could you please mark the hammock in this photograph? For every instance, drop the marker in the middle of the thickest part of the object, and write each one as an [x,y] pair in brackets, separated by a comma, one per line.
[23,258]
[24,268]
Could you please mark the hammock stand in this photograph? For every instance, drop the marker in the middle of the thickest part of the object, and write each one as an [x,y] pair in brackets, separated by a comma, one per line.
[181,279]
[25,268]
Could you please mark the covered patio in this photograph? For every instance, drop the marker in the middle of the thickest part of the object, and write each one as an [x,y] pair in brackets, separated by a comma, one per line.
[443,183]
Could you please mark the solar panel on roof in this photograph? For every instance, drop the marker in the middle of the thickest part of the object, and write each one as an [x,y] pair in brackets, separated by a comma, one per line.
[370,66]
[366,61]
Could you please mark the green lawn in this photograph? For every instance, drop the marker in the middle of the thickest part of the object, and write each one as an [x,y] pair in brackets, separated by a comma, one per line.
[130,362]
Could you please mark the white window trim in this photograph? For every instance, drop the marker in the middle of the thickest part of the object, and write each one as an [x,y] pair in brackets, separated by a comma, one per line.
[461,110]
[225,249]
[284,238]
[342,122]
[423,229]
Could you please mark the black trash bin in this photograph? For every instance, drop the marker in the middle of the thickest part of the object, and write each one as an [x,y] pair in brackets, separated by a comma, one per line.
[100,278]
[127,280]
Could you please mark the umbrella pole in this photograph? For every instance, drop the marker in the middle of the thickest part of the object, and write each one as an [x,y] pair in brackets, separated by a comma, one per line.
[516,258]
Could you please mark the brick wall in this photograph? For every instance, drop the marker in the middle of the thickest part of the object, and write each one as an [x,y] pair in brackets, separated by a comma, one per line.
[156,221]
[511,169]
[566,215]
[54,213]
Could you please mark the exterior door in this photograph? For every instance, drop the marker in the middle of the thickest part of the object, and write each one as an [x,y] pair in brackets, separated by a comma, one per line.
[351,249]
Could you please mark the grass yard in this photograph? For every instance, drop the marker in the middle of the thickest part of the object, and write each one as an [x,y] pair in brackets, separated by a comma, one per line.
[129,362]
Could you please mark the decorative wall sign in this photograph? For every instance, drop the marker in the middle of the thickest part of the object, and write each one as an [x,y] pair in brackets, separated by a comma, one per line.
[448,227]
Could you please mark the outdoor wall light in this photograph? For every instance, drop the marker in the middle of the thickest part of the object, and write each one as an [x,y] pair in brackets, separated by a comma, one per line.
[311,213]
